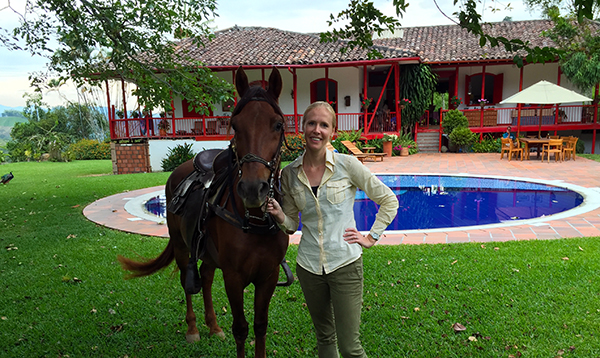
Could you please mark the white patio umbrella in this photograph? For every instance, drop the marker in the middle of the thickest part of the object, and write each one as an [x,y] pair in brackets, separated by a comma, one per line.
[545,92]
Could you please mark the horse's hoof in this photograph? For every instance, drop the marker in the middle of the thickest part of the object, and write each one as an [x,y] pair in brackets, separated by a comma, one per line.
[221,335]
[191,338]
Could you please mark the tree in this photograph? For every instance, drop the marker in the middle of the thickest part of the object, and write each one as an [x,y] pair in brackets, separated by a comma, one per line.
[580,46]
[129,39]
[361,16]
[52,130]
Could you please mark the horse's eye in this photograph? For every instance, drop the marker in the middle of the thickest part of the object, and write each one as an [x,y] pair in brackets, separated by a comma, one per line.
[278,126]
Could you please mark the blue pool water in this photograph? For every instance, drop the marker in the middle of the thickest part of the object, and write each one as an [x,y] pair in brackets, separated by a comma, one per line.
[434,201]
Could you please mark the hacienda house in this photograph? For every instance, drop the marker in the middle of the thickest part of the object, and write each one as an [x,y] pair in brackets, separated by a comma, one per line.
[365,93]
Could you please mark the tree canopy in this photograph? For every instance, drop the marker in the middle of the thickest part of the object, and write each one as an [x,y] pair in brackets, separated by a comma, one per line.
[90,41]
[363,20]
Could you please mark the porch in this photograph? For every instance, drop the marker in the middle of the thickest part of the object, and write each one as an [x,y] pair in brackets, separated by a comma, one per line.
[482,121]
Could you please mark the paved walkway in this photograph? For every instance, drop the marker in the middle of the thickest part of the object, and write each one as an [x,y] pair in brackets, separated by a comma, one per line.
[581,174]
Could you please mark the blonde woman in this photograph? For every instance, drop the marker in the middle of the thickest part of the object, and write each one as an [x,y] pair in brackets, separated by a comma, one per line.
[321,185]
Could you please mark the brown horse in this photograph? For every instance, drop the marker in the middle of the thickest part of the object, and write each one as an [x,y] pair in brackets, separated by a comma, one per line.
[244,253]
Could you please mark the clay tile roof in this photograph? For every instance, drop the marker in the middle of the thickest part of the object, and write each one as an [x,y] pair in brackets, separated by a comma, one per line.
[268,46]
[433,44]
[450,43]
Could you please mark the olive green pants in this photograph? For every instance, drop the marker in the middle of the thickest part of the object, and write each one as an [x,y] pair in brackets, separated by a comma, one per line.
[334,301]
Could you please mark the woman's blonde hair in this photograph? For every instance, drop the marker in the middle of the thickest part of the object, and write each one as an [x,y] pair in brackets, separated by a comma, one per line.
[325,105]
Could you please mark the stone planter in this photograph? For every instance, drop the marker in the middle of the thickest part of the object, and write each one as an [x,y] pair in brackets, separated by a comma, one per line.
[404,152]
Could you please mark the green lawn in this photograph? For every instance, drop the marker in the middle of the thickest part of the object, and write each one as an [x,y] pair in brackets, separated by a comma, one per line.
[63,292]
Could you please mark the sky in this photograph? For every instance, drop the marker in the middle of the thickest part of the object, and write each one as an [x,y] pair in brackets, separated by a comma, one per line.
[291,15]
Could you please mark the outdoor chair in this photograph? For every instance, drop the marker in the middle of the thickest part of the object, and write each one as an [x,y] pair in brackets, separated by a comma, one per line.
[511,148]
[554,137]
[570,145]
[360,155]
[330,146]
[555,146]
[197,128]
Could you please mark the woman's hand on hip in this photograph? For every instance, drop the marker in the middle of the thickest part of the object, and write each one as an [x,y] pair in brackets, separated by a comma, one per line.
[353,236]
[274,209]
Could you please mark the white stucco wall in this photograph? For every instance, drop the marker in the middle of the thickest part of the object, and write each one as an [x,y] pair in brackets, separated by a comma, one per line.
[158,149]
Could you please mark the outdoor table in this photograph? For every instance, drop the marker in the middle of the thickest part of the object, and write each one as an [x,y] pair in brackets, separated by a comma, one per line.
[368,149]
[534,142]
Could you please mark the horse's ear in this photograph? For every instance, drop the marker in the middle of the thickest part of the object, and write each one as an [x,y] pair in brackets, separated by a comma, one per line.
[275,84]
[241,82]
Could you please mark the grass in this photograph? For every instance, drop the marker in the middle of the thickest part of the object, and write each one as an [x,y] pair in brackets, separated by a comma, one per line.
[63,292]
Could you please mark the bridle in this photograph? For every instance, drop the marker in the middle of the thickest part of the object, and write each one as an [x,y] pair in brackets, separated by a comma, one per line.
[272,165]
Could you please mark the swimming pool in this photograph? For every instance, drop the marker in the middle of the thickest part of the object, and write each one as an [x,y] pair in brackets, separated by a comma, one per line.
[444,201]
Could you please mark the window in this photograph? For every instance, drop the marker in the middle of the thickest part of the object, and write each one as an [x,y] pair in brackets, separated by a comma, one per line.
[318,91]
[492,92]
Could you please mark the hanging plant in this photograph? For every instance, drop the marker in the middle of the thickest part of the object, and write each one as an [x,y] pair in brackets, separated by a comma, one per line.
[417,83]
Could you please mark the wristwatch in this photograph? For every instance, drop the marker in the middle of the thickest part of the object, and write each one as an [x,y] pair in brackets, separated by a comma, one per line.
[375,236]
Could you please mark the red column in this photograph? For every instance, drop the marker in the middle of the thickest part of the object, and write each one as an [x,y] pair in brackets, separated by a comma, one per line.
[327,84]
[482,96]
[397,97]
[595,120]
[365,96]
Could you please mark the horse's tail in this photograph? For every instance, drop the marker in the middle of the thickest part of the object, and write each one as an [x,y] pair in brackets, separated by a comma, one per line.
[146,268]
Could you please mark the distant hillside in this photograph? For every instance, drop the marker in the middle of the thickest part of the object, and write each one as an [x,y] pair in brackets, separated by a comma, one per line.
[10,121]
[3,108]
[6,124]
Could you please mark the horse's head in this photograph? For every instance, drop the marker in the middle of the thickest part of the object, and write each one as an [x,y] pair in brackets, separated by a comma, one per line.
[259,128]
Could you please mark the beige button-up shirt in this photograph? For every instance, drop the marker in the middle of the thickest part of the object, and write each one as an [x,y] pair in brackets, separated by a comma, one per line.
[326,216]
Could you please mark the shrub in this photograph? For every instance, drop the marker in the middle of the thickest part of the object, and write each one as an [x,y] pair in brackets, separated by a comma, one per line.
[295,142]
[87,149]
[488,145]
[580,147]
[454,119]
[177,156]
[463,137]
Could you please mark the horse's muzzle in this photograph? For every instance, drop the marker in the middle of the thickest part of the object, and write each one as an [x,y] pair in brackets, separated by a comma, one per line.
[253,193]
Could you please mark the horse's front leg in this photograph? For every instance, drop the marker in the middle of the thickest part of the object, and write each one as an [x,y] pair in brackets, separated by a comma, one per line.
[235,294]
[262,298]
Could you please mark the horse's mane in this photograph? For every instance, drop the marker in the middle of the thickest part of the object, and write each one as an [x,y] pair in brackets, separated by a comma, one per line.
[254,93]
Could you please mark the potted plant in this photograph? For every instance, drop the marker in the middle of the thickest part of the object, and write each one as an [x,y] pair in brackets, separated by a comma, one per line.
[388,140]
[455,101]
[120,114]
[366,102]
[402,150]
[135,114]
[482,102]
[163,127]
[403,103]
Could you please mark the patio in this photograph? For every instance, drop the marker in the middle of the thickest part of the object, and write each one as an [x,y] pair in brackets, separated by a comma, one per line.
[111,211]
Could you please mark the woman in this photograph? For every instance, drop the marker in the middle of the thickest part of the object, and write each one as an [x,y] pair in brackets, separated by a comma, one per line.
[322,185]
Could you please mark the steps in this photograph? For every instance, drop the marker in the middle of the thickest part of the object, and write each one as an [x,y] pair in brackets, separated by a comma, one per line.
[428,142]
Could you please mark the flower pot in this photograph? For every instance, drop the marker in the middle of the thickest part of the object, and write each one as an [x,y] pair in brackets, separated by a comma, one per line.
[404,152]
[387,148]
[401,106]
